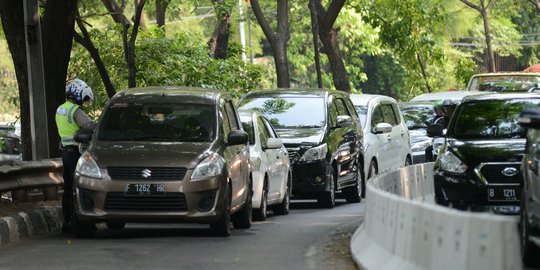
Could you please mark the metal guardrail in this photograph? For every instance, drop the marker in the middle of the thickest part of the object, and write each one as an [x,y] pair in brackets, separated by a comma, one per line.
[403,229]
[18,177]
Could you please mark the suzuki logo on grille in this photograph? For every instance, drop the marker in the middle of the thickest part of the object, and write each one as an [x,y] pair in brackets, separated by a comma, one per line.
[146,173]
[510,171]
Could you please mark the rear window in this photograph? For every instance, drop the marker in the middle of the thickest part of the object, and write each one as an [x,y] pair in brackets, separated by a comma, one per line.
[289,112]
[490,119]
[504,83]
[158,122]
[417,116]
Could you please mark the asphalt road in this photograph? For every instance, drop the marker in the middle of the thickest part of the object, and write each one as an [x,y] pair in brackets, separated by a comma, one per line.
[307,238]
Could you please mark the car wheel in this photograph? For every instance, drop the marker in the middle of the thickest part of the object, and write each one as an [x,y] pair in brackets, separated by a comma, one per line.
[354,194]
[284,206]
[242,218]
[328,199]
[222,227]
[529,250]
[82,229]
[260,214]
[115,225]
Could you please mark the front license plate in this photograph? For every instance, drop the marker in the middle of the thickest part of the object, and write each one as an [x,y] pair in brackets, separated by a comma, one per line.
[144,190]
[503,194]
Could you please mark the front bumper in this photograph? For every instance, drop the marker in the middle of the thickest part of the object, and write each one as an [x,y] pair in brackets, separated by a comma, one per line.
[99,200]
[310,178]
[466,190]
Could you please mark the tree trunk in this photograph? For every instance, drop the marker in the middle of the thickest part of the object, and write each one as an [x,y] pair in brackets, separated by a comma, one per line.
[219,42]
[423,70]
[57,35]
[87,43]
[12,15]
[141,20]
[278,41]
[315,31]
[490,56]
[161,7]
[339,73]
[116,11]
[129,45]
[329,38]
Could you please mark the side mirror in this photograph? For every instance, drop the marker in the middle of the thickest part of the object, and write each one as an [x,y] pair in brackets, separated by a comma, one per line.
[83,136]
[382,128]
[530,118]
[274,143]
[435,130]
[343,121]
[237,137]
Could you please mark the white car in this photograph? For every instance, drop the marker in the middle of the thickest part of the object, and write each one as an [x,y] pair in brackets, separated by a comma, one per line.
[270,166]
[386,137]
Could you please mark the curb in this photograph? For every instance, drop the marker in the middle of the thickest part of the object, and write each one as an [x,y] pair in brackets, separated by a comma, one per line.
[34,222]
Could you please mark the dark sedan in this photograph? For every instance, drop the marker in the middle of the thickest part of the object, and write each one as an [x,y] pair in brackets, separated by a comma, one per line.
[479,163]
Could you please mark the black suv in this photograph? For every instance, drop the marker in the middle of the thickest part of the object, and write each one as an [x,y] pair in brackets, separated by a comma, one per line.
[479,162]
[322,133]
[530,192]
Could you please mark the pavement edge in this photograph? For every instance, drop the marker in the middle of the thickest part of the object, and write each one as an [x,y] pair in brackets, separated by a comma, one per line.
[34,222]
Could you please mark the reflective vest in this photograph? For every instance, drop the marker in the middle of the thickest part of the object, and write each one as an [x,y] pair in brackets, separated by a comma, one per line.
[65,121]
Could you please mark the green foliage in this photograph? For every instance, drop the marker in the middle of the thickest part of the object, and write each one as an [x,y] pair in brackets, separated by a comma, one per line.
[161,60]
[9,90]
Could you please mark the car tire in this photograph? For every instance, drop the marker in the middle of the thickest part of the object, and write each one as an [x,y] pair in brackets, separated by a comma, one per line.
[112,225]
[82,229]
[242,218]
[222,227]
[354,194]
[328,199]
[529,250]
[284,207]
[260,214]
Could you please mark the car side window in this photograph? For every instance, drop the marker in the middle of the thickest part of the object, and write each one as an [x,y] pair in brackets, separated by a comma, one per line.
[396,114]
[388,114]
[333,113]
[271,131]
[233,121]
[225,126]
[377,116]
[342,109]
[350,107]
[263,132]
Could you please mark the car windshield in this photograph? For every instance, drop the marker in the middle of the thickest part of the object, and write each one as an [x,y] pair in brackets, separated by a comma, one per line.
[289,112]
[504,83]
[247,124]
[490,119]
[417,116]
[362,114]
[158,122]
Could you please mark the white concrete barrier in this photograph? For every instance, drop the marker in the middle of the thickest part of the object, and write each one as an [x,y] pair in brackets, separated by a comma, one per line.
[404,229]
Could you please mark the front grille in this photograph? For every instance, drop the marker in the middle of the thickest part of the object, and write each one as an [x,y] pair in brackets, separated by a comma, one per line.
[493,173]
[147,173]
[170,202]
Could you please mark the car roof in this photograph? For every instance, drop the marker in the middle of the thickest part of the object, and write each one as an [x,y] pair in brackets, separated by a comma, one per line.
[502,96]
[453,95]
[495,74]
[364,99]
[181,94]
[416,104]
[291,92]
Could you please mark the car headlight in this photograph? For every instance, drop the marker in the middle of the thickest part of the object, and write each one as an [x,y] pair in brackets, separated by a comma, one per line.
[315,153]
[451,163]
[420,146]
[87,166]
[208,167]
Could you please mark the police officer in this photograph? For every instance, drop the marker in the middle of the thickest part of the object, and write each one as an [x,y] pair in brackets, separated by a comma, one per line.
[69,119]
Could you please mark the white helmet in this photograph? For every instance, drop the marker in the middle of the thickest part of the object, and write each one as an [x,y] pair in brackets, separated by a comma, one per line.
[79,91]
